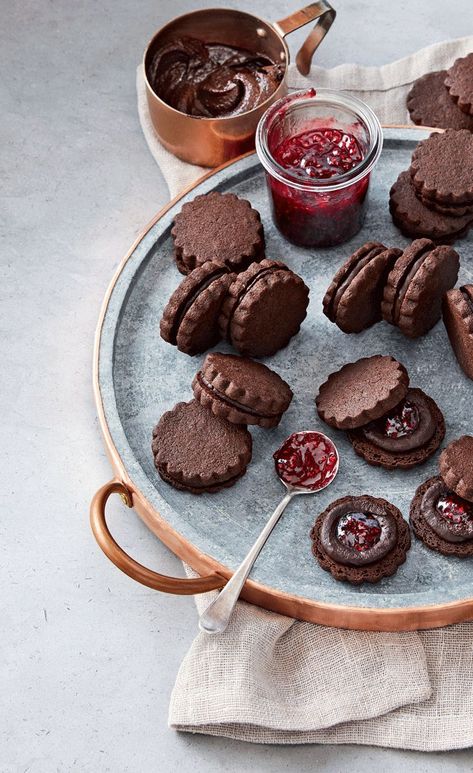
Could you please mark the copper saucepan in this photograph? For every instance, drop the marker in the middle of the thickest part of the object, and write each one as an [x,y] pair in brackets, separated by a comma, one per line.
[213,141]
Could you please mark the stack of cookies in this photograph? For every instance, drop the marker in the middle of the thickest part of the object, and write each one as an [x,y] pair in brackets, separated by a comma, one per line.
[444,98]
[204,445]
[230,290]
[434,197]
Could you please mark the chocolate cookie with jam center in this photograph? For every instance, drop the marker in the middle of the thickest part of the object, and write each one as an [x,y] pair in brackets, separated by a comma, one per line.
[416,285]
[442,519]
[457,312]
[406,436]
[353,298]
[219,227]
[360,539]
[241,390]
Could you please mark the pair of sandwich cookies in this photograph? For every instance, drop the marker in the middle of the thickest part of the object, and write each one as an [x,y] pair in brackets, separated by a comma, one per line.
[441,512]
[389,424]
[204,445]
[434,197]
[217,227]
[264,308]
[360,539]
[457,312]
[353,298]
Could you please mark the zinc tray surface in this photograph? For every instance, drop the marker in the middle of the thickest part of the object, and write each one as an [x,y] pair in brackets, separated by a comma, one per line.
[139,376]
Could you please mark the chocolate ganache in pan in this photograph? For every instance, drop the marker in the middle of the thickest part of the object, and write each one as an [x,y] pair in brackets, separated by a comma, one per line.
[212,79]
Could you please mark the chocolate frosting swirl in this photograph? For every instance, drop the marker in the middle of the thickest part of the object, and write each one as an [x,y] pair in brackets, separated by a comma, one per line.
[210,79]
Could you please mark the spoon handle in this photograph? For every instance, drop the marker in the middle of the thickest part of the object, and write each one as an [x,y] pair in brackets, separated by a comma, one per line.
[217,615]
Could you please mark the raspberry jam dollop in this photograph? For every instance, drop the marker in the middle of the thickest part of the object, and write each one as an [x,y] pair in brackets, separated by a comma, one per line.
[403,421]
[307,460]
[454,509]
[360,531]
[319,153]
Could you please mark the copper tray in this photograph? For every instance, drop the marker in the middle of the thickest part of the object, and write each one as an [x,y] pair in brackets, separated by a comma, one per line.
[137,376]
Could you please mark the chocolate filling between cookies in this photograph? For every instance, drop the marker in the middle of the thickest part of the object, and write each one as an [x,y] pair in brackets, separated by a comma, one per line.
[350,275]
[248,287]
[409,272]
[401,430]
[190,300]
[206,386]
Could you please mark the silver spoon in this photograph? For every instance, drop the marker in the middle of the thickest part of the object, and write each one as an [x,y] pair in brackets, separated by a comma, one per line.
[311,451]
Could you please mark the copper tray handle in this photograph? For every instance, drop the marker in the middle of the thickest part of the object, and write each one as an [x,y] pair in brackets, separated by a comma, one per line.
[177,585]
[324,15]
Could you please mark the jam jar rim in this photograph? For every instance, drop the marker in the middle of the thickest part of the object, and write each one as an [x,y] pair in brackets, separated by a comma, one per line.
[337,99]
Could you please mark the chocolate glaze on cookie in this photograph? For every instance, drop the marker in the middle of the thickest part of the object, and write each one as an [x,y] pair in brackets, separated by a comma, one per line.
[441,519]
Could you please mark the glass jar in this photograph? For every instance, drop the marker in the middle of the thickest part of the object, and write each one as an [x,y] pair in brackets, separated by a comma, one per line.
[319,205]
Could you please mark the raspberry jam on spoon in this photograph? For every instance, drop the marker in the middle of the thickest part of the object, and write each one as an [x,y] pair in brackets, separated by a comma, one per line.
[306,463]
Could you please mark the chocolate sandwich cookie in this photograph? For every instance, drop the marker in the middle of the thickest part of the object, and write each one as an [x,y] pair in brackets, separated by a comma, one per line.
[430,104]
[456,466]
[442,167]
[442,519]
[264,309]
[353,298]
[241,390]
[459,82]
[415,219]
[360,539]
[362,391]
[407,435]
[220,227]
[196,451]
[457,312]
[190,317]
[416,285]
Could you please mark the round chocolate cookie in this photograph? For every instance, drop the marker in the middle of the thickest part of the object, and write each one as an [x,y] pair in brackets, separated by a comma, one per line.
[442,167]
[220,227]
[416,285]
[414,219]
[406,436]
[441,519]
[456,466]
[362,391]
[457,312]
[430,104]
[353,298]
[190,318]
[459,82]
[360,539]
[241,390]
[264,309]
[196,451]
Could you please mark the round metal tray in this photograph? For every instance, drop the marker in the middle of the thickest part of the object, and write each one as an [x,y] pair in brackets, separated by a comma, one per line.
[138,376]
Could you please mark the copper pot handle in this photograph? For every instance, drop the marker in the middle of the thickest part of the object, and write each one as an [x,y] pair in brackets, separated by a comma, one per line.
[177,585]
[324,15]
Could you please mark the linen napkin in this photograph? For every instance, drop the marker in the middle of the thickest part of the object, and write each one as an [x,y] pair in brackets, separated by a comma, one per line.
[271,679]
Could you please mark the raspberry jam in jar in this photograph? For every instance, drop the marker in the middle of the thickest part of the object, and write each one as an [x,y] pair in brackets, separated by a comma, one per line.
[318,150]
[307,460]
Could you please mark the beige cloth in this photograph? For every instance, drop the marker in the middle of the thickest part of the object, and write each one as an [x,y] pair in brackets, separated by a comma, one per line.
[270,679]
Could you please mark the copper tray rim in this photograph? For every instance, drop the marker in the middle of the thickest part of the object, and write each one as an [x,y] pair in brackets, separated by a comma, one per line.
[301,608]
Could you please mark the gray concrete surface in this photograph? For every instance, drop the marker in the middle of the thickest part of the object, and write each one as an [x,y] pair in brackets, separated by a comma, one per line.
[88,657]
